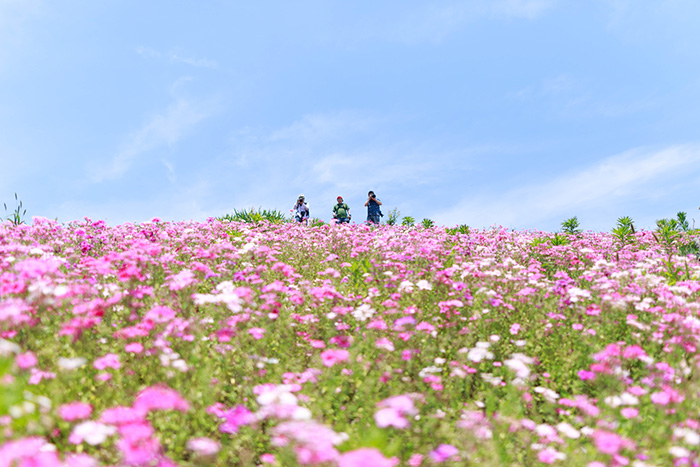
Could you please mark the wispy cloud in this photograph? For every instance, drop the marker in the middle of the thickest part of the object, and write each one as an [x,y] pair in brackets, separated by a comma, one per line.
[528,9]
[177,56]
[625,179]
[570,96]
[162,129]
[348,153]
[673,23]
[434,22]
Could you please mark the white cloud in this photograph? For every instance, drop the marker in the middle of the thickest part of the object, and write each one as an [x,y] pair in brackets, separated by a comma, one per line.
[626,179]
[162,129]
[195,62]
[14,18]
[669,22]
[177,56]
[434,22]
[528,9]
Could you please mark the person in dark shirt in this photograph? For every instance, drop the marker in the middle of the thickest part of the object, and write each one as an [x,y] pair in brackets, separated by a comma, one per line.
[373,209]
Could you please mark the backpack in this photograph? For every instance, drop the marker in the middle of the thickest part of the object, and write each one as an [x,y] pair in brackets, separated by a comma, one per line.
[338,207]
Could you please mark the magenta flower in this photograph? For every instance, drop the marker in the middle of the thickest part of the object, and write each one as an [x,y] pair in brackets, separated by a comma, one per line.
[160,398]
[134,347]
[235,418]
[121,415]
[332,356]
[74,411]
[607,442]
[108,361]
[26,360]
[160,314]
[366,457]
[443,453]
[257,333]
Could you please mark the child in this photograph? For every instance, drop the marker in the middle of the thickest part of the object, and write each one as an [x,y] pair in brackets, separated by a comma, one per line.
[341,212]
[301,210]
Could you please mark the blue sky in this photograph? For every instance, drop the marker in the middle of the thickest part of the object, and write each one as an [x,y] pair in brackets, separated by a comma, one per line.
[519,113]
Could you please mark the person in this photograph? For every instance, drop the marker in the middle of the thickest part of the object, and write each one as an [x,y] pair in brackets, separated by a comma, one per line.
[373,209]
[341,211]
[301,210]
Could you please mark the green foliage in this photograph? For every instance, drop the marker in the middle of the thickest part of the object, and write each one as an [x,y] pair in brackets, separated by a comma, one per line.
[393,216]
[623,232]
[539,241]
[427,223]
[408,221]
[256,217]
[679,224]
[17,216]
[460,229]
[571,226]
[559,240]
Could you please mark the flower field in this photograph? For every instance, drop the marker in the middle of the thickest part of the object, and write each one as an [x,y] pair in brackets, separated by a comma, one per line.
[230,343]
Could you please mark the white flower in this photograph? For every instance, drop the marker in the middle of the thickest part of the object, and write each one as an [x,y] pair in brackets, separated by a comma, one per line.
[93,433]
[363,312]
[677,451]
[71,363]
[406,286]
[548,394]
[568,430]
[7,347]
[480,352]
[280,394]
[424,285]
[429,370]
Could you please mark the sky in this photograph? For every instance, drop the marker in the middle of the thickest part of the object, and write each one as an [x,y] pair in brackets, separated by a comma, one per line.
[513,113]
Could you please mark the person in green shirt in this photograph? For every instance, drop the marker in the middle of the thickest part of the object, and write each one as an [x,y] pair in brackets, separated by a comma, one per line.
[341,212]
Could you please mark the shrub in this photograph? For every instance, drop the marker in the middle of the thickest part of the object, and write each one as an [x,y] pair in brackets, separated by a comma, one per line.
[408,221]
[17,216]
[255,217]
[571,226]
[393,217]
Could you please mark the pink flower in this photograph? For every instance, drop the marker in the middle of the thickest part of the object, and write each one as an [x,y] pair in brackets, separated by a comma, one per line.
[160,398]
[443,452]
[514,329]
[160,314]
[415,460]
[140,451]
[390,417]
[366,457]
[607,442]
[332,356]
[26,360]
[235,418]
[134,347]
[548,456]
[268,458]
[181,280]
[121,415]
[108,361]
[74,411]
[661,398]
[393,412]
[585,375]
[257,333]
[629,412]
[203,446]
[38,375]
